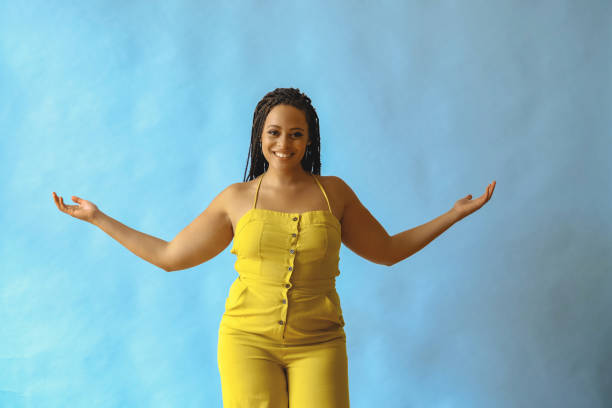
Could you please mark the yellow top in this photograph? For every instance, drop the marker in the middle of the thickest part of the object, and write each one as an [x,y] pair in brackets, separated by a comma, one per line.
[287,265]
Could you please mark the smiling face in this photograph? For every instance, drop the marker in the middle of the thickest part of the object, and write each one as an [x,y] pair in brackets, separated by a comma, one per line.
[285,132]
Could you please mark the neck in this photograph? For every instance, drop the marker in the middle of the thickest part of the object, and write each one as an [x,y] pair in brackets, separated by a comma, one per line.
[286,177]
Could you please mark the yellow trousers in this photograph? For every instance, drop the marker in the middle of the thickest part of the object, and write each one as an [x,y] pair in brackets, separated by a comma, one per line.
[263,374]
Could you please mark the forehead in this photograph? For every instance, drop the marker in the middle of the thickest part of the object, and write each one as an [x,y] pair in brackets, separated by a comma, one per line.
[286,115]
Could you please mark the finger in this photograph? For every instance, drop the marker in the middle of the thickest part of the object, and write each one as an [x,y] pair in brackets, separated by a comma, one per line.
[483,198]
[56,200]
[65,207]
[59,203]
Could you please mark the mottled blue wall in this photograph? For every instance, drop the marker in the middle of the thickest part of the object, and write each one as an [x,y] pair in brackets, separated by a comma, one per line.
[145,108]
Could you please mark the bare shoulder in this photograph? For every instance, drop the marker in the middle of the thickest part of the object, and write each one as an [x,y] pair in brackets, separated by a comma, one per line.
[235,190]
[337,185]
[339,192]
[240,191]
[236,199]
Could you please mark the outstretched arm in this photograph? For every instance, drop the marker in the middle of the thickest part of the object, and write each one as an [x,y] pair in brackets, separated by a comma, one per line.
[364,235]
[204,238]
[147,247]
[409,242]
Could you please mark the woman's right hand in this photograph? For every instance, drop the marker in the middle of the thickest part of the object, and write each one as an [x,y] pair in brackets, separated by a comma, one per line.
[84,210]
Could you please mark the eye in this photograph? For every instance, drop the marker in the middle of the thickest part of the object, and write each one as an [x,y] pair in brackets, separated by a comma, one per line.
[273,132]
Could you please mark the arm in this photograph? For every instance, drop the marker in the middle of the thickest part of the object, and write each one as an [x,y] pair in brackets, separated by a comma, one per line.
[205,237]
[147,247]
[361,232]
[198,242]
[201,240]
[364,235]
[413,240]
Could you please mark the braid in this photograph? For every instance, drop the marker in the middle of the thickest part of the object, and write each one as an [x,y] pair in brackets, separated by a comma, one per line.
[311,162]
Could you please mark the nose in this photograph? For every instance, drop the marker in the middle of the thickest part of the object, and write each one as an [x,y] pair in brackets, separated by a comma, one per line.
[283,140]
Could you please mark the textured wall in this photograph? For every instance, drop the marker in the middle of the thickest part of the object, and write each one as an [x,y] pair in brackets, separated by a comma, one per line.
[145,108]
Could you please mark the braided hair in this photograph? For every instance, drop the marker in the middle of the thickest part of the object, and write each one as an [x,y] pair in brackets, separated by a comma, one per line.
[311,162]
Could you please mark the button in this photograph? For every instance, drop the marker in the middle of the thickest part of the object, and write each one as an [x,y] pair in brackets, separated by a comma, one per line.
[290,268]
[292,251]
[294,218]
[294,234]
[280,322]
[287,285]
[284,301]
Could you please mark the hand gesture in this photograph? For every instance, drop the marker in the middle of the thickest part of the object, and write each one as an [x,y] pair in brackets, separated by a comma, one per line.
[84,210]
[466,205]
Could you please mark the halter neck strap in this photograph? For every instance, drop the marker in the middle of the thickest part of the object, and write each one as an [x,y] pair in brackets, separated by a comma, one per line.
[312,174]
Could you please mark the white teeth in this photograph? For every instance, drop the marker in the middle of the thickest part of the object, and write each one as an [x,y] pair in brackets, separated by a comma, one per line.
[282,155]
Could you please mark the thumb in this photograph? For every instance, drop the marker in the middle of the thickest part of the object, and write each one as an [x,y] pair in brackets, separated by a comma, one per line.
[76,199]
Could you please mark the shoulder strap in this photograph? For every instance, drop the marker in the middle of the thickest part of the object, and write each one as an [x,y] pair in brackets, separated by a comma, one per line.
[322,190]
[257,191]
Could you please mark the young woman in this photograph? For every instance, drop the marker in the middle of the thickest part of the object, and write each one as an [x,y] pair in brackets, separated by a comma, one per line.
[281,338]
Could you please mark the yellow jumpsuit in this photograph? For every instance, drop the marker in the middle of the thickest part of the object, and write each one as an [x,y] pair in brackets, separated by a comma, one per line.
[281,338]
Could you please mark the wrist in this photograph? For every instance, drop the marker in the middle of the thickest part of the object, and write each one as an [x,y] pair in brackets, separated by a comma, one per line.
[455,215]
[96,217]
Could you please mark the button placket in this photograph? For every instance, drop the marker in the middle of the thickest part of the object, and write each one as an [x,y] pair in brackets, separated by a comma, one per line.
[293,245]
[285,288]
[287,285]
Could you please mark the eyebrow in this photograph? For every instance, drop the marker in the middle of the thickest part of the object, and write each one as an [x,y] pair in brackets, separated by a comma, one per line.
[289,129]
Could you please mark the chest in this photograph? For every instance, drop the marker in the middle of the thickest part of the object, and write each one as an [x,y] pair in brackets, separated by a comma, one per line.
[303,200]
[285,237]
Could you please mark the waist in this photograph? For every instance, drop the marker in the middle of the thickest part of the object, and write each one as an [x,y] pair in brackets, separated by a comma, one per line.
[309,285]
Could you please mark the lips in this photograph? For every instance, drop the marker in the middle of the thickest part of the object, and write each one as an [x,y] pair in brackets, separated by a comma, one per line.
[284,155]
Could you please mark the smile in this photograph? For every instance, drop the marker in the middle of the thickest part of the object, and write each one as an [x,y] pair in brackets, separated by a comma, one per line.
[283,156]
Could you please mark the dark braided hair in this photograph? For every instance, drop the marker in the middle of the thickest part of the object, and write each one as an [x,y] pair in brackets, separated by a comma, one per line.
[311,162]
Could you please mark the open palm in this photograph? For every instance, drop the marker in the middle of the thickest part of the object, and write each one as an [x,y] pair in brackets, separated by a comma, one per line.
[466,205]
[84,210]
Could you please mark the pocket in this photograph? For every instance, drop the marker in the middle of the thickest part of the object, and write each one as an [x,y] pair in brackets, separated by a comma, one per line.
[236,295]
[334,300]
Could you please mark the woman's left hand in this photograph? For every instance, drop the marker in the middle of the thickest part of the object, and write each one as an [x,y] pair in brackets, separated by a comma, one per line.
[466,205]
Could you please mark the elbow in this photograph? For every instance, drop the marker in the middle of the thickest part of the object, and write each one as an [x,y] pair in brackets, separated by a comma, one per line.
[390,256]
[165,259]
[167,265]
[173,267]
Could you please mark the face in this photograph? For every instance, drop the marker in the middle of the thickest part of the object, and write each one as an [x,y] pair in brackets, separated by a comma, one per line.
[285,130]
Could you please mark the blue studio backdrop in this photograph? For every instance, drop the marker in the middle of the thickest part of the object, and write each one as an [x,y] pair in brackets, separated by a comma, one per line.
[145,108]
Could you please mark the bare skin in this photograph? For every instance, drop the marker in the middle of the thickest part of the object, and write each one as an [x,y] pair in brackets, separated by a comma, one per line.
[286,187]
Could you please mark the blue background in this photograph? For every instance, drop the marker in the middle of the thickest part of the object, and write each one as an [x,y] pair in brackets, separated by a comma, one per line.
[145,108]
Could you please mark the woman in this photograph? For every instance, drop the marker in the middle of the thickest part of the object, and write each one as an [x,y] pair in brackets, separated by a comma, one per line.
[281,338]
